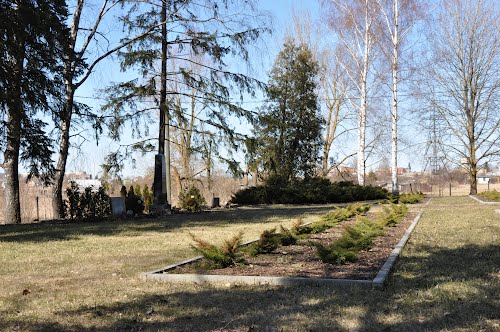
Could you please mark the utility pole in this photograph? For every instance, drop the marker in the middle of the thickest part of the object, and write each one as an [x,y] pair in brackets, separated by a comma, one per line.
[433,157]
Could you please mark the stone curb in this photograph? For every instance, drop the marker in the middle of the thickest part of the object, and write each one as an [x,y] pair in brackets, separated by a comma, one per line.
[377,282]
[483,202]
[250,280]
[383,273]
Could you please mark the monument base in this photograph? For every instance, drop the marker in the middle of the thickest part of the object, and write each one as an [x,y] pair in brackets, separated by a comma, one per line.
[160,209]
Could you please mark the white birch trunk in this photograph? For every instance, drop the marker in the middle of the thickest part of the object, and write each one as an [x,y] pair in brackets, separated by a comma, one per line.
[361,167]
[394,116]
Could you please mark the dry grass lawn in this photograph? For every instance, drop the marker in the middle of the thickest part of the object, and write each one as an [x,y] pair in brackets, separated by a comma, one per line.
[84,277]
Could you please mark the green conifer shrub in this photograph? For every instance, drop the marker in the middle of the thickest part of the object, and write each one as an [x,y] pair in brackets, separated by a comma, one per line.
[192,200]
[307,191]
[268,241]
[491,195]
[411,198]
[147,196]
[228,254]
[134,202]
[89,205]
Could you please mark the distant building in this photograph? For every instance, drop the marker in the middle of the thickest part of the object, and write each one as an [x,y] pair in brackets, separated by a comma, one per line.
[342,170]
[400,170]
[483,179]
[94,184]
[70,176]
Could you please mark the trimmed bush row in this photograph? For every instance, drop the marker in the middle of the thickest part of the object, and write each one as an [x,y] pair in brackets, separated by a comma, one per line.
[309,191]
[492,195]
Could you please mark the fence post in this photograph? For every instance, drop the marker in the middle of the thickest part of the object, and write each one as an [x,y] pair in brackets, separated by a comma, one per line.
[450,189]
[37,210]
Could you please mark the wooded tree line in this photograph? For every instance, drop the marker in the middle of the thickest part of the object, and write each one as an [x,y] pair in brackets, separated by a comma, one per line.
[181,52]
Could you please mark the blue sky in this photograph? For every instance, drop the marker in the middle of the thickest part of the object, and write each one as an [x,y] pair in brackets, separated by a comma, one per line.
[92,152]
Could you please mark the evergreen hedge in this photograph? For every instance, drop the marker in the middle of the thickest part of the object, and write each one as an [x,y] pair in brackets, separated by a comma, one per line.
[307,191]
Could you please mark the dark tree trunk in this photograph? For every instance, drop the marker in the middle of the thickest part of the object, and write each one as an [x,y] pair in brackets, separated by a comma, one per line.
[473,179]
[57,199]
[11,154]
[11,162]
[69,70]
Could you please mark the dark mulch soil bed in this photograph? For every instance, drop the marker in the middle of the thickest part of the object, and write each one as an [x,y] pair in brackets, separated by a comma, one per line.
[301,260]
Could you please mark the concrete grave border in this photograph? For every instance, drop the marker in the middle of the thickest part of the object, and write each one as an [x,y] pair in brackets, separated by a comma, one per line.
[378,282]
[483,202]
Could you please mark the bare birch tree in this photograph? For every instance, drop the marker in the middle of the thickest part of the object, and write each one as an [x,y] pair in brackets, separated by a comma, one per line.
[465,72]
[391,12]
[333,87]
[354,22]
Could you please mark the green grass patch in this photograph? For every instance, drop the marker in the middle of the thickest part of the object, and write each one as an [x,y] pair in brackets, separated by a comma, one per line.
[84,277]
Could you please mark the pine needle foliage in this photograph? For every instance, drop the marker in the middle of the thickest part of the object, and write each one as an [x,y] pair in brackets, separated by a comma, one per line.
[289,128]
[228,254]
[411,198]
[267,243]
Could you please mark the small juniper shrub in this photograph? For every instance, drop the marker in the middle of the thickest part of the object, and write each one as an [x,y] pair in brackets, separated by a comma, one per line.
[411,198]
[334,217]
[491,195]
[192,200]
[359,237]
[300,228]
[268,241]
[228,254]
[286,237]
[392,216]
[337,255]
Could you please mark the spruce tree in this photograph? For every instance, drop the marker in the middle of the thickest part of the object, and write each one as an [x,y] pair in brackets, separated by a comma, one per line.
[32,33]
[289,130]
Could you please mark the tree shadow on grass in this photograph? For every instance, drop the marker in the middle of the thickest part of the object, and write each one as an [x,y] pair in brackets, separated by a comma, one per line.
[442,289]
[69,231]
[431,289]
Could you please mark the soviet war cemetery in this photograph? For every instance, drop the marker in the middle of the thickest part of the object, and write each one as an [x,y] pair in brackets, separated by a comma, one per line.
[250,165]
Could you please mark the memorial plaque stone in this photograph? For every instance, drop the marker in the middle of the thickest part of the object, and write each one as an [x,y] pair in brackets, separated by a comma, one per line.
[118,206]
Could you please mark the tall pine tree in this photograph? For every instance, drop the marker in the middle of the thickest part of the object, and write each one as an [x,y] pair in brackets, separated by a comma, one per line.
[289,129]
[206,33]
[32,33]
